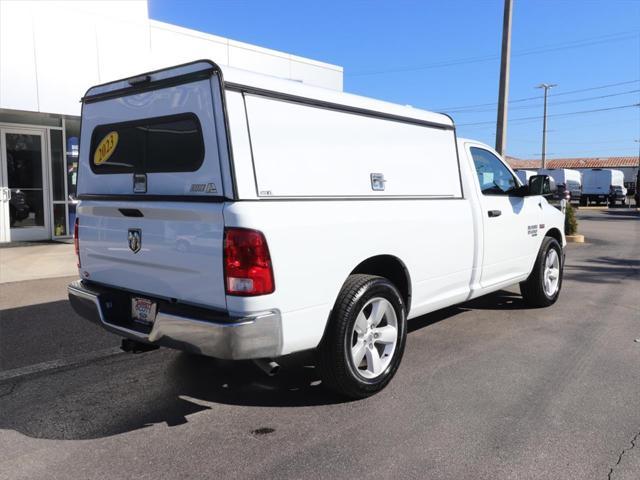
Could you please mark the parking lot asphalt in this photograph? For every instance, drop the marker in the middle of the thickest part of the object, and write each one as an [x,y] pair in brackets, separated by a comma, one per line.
[487,389]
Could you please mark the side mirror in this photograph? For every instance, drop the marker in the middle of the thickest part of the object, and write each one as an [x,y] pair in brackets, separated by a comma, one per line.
[542,185]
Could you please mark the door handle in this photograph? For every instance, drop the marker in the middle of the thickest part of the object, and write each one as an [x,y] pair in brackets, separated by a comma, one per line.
[494,213]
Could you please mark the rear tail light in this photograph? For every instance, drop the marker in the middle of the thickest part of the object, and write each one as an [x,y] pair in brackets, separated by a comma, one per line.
[76,241]
[247,264]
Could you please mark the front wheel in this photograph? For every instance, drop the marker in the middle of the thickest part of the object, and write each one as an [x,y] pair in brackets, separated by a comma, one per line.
[542,287]
[364,342]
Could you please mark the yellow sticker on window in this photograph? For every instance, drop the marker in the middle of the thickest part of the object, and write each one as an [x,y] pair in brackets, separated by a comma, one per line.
[105,148]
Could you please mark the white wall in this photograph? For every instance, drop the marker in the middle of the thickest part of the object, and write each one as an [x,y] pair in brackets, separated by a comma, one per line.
[183,45]
[52,52]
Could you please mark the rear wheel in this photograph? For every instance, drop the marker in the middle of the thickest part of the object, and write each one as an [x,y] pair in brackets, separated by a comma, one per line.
[365,338]
[543,286]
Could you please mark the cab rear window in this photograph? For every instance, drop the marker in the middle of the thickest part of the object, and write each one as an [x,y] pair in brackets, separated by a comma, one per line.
[151,145]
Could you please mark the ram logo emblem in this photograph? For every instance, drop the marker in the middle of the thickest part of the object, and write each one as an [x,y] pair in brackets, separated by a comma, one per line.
[135,239]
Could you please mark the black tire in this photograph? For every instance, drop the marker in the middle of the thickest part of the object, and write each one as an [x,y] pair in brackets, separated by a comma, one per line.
[335,362]
[532,288]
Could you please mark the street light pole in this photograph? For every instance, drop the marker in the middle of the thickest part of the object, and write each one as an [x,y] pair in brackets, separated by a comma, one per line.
[503,94]
[546,87]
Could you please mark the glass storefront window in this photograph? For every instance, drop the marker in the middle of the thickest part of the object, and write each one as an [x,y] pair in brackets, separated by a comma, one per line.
[24,175]
[72,133]
[57,166]
[59,220]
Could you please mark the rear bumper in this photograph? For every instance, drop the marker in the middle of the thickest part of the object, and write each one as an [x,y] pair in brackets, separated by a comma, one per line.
[219,335]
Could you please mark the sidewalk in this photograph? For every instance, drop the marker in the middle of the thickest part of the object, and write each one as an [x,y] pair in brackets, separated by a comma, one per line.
[37,261]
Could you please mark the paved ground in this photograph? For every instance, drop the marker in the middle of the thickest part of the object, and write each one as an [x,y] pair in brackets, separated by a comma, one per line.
[36,261]
[486,390]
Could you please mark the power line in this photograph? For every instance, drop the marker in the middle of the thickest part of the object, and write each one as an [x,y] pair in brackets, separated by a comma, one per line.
[528,107]
[558,114]
[555,130]
[637,80]
[568,129]
[537,97]
[614,37]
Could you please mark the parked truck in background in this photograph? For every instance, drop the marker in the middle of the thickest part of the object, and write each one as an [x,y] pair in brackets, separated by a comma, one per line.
[313,220]
[603,185]
[569,182]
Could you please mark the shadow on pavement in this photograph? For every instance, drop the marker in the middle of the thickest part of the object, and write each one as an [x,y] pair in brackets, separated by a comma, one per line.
[136,391]
[46,332]
[609,215]
[130,392]
[624,212]
[603,270]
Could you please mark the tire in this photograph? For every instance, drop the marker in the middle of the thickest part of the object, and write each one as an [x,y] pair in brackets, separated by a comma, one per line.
[344,341]
[534,291]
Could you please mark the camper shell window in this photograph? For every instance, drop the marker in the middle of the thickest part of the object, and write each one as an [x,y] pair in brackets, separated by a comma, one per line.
[151,145]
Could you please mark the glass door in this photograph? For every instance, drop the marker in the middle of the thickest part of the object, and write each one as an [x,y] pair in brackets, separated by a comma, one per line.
[24,192]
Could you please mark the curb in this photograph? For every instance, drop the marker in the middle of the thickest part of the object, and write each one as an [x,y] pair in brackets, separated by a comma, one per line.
[575,238]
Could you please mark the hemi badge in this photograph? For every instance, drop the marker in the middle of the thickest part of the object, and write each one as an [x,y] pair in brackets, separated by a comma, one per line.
[542,225]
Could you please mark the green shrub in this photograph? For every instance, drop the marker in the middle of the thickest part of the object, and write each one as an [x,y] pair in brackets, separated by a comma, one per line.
[570,221]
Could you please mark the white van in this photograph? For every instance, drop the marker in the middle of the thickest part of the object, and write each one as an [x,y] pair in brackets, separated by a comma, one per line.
[247,217]
[602,185]
[567,180]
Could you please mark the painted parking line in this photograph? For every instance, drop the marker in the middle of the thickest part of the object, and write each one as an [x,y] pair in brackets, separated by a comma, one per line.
[60,363]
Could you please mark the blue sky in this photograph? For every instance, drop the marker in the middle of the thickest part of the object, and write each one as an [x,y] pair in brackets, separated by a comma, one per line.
[443,56]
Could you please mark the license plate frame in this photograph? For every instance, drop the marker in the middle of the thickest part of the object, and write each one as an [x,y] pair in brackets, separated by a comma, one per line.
[143,310]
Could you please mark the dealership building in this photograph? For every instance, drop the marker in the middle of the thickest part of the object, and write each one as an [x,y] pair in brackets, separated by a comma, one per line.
[51,53]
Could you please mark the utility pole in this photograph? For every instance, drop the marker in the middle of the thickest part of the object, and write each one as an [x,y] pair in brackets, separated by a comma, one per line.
[503,94]
[546,87]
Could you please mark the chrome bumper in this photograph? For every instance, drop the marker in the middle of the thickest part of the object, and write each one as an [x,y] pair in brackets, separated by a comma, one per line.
[252,336]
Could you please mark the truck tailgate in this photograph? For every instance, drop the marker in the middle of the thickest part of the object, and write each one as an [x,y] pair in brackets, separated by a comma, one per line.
[177,253]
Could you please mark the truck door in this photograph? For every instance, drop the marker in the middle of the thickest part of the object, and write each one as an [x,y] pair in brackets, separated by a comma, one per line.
[510,223]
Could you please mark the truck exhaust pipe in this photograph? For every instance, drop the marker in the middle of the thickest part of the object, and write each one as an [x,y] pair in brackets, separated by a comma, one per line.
[269,367]
[133,346]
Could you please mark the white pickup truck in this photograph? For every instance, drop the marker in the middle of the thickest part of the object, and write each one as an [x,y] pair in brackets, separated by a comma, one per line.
[248,217]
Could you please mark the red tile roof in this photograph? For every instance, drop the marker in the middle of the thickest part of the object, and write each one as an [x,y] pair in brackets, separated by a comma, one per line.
[597,162]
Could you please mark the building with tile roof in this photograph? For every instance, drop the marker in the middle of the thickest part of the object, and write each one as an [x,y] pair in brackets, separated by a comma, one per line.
[628,165]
